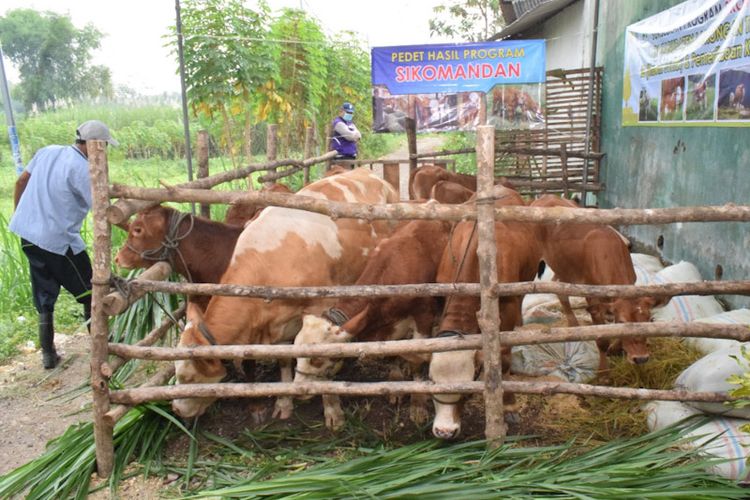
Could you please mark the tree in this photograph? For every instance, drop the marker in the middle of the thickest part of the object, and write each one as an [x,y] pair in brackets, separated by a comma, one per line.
[467,20]
[293,97]
[227,59]
[52,57]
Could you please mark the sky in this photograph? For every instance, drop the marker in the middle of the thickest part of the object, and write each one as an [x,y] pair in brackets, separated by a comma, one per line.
[133,46]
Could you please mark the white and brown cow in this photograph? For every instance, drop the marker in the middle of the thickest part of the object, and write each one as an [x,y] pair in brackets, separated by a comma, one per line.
[284,247]
[518,257]
[410,255]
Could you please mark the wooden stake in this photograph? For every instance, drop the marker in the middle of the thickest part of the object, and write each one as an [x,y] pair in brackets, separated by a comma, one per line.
[309,131]
[411,140]
[97,153]
[489,312]
[203,166]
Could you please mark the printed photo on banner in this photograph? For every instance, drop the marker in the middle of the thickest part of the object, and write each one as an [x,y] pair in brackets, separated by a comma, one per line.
[689,65]
[458,86]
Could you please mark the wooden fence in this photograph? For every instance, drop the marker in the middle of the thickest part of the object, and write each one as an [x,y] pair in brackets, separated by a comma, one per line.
[109,406]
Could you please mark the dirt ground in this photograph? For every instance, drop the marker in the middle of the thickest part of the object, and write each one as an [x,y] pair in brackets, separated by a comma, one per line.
[37,405]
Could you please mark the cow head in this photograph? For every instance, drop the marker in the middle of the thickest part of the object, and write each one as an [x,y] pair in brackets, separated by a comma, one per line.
[316,330]
[195,371]
[145,233]
[625,310]
[450,367]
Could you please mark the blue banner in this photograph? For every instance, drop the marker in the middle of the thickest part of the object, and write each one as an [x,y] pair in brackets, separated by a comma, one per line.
[453,68]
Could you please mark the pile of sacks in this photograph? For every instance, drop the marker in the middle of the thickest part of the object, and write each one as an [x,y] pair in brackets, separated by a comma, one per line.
[578,361]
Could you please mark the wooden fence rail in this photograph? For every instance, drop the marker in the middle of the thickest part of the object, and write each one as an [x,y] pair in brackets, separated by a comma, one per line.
[448,289]
[400,211]
[230,390]
[396,347]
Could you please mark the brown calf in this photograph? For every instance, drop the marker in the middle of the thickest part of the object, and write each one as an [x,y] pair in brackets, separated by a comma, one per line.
[410,255]
[518,256]
[198,249]
[595,254]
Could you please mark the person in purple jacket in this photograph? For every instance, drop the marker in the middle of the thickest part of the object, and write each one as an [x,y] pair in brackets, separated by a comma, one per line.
[345,134]
[52,197]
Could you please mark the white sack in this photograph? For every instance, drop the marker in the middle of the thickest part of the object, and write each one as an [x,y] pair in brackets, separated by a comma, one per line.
[689,307]
[710,374]
[571,361]
[706,345]
[731,445]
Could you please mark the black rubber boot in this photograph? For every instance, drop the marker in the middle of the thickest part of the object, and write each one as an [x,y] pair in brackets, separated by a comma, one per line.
[47,340]
[87,314]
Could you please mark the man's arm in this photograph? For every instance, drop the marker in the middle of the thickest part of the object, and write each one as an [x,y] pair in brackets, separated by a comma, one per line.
[346,133]
[21,183]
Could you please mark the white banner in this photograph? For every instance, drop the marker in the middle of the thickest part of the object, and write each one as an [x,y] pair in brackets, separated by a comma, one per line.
[689,66]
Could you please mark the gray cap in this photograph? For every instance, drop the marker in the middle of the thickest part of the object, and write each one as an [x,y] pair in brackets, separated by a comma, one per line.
[94,130]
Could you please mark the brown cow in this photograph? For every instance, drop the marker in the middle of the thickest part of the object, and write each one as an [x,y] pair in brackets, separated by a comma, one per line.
[283,247]
[518,257]
[198,248]
[424,178]
[410,255]
[240,213]
[595,254]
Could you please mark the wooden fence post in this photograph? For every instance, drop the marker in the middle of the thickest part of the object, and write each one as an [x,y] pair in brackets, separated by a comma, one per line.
[489,312]
[203,166]
[100,370]
[411,140]
[271,145]
[308,153]
[564,166]
[391,175]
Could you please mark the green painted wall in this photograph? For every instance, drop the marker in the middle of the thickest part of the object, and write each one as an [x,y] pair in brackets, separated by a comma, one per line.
[655,167]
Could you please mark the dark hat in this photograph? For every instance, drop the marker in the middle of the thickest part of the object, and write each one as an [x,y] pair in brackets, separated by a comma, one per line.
[348,107]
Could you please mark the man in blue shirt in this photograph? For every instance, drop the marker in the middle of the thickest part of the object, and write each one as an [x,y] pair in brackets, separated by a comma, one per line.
[52,197]
[345,133]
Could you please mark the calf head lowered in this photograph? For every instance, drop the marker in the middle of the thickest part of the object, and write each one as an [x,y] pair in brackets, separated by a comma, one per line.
[317,330]
[624,310]
[196,371]
[451,367]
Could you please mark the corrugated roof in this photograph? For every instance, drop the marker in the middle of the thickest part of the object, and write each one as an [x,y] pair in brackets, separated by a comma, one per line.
[530,13]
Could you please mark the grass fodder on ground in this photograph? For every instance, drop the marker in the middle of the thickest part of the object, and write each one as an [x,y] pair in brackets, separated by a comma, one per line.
[641,467]
[565,416]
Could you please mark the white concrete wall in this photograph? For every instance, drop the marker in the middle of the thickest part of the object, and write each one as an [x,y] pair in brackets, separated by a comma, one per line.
[568,36]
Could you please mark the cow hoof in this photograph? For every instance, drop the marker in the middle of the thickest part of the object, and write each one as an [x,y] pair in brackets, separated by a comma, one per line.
[334,419]
[283,408]
[512,418]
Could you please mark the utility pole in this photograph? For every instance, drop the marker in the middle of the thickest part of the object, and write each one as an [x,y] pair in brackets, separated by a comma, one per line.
[185,119]
[7,105]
